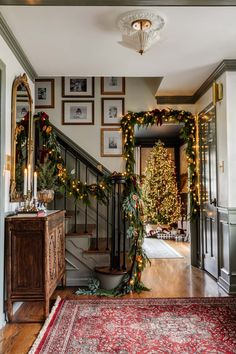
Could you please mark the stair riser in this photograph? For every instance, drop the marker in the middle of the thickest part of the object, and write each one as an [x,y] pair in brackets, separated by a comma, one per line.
[80,265]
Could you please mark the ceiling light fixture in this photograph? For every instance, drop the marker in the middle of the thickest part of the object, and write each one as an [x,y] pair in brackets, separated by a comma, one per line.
[140,29]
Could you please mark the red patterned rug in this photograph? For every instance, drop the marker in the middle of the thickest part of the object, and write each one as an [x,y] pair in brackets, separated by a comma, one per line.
[206,325]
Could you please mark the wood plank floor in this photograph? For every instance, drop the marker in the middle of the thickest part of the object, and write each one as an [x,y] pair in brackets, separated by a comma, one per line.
[165,278]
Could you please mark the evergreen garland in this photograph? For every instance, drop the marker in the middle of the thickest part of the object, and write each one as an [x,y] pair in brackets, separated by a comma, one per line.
[157,117]
[51,153]
[132,203]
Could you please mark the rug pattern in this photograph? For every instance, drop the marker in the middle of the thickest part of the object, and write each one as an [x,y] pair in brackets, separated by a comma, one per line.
[144,326]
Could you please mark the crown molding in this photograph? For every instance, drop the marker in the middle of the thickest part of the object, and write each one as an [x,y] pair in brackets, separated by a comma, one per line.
[225,65]
[14,45]
[174,99]
[119,2]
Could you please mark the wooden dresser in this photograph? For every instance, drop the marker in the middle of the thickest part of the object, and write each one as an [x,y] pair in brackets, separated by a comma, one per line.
[35,257]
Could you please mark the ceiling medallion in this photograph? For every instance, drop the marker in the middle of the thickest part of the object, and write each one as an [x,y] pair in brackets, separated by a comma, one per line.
[140,29]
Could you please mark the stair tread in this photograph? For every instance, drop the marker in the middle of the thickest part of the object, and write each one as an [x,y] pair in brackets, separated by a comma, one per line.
[78,234]
[92,251]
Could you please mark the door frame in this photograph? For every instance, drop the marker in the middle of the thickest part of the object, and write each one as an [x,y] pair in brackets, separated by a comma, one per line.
[2,187]
[201,240]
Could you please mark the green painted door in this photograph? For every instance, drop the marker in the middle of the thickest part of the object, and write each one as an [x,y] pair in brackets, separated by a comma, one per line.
[209,234]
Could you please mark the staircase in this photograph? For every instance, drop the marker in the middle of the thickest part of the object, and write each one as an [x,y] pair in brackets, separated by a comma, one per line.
[90,232]
[82,258]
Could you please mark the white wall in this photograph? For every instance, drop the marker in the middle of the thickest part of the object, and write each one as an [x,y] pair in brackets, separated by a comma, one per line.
[12,70]
[139,97]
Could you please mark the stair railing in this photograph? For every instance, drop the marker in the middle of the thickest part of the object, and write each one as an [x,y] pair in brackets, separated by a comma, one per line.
[89,170]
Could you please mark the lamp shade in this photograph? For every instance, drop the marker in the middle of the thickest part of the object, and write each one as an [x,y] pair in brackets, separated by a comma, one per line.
[140,29]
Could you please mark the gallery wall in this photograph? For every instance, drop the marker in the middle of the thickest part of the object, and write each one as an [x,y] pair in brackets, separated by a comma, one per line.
[139,96]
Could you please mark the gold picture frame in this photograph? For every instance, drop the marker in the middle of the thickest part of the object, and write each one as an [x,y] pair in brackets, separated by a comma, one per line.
[113,109]
[111,142]
[78,112]
[77,86]
[44,93]
[112,85]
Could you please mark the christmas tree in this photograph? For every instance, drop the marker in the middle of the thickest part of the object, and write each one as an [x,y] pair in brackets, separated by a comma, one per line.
[160,192]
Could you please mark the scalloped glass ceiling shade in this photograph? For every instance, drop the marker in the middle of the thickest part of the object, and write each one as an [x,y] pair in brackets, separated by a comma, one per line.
[139,40]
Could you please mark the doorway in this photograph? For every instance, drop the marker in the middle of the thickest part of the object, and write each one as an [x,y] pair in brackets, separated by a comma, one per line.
[167,246]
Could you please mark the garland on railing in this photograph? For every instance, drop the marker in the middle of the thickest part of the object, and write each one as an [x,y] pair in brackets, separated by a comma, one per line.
[51,150]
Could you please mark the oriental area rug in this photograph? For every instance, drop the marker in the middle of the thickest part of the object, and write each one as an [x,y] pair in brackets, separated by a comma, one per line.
[140,326]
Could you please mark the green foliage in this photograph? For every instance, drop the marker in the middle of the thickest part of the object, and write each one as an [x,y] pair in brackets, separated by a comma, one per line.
[133,208]
[19,175]
[156,116]
[132,205]
[47,176]
[54,172]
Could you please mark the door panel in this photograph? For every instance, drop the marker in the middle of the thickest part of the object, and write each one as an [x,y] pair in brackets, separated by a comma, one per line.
[207,143]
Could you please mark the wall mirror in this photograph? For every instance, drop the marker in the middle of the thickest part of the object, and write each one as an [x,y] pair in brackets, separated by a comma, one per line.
[21,135]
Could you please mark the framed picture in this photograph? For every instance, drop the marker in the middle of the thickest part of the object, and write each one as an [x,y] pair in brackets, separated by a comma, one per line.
[44,93]
[111,142]
[21,91]
[22,109]
[78,112]
[78,86]
[112,85]
[112,110]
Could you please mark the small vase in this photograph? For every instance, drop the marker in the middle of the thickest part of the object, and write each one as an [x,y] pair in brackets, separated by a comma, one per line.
[45,196]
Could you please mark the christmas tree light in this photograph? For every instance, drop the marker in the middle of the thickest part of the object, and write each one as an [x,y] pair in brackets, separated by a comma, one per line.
[160,192]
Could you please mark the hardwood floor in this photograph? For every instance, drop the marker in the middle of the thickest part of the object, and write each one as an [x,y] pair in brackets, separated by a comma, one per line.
[165,278]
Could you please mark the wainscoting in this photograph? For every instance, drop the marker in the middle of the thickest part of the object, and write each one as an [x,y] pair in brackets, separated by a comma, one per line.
[227,249]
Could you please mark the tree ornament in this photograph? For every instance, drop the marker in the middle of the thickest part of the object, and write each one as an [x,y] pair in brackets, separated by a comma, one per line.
[160,193]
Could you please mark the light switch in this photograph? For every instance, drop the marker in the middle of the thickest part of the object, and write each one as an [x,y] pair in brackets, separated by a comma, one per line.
[222,166]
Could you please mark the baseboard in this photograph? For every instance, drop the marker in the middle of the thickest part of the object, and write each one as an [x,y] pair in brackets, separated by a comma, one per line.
[15,307]
[229,288]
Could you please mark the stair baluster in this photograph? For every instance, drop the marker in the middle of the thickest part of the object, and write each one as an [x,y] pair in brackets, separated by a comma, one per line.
[108,216]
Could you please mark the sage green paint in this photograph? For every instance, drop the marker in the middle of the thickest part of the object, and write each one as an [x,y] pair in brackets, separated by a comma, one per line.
[227,241]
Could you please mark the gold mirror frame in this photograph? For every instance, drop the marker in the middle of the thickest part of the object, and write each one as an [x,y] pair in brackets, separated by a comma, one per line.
[16,196]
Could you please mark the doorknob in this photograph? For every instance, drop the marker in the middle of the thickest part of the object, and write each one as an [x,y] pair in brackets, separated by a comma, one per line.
[213,201]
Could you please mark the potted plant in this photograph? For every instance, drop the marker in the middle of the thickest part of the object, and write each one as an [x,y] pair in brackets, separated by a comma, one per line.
[47,182]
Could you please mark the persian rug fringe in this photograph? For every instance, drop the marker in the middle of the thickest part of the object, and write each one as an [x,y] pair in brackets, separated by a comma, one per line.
[175,325]
[45,327]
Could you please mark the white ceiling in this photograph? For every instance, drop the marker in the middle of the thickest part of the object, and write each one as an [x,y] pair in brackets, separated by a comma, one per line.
[84,41]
